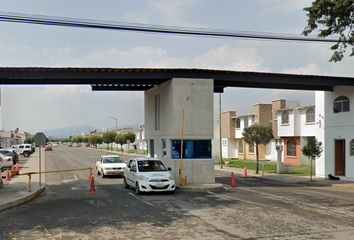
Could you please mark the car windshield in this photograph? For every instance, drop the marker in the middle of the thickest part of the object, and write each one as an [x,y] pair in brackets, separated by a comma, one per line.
[151,166]
[113,160]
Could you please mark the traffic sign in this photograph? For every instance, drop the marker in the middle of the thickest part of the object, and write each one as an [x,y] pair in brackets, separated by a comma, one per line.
[40,138]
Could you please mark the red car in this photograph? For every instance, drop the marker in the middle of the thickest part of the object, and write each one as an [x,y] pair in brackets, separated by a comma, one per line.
[48,147]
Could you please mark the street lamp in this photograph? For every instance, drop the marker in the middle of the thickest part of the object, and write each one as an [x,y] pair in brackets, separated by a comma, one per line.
[88,128]
[116,122]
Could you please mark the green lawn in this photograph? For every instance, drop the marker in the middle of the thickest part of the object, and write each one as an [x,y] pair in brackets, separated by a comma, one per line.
[270,167]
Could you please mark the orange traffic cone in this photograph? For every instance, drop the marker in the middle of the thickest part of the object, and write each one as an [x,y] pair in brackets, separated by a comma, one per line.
[90,176]
[233,179]
[17,170]
[93,188]
[12,169]
[245,172]
[8,175]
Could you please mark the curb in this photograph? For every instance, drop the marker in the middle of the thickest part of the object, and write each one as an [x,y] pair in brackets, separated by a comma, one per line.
[201,188]
[21,200]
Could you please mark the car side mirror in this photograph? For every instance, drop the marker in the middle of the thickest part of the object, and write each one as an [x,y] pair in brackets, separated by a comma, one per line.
[169,169]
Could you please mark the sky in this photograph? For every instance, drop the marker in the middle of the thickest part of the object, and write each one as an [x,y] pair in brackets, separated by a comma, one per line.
[44,107]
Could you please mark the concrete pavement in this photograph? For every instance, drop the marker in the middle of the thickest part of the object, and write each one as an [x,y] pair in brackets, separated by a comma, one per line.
[16,191]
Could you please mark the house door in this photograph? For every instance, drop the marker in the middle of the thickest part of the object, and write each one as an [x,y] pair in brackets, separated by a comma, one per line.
[339,157]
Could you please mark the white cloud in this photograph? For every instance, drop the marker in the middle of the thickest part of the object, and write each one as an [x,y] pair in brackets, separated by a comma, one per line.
[311,69]
[281,6]
[225,57]
[166,12]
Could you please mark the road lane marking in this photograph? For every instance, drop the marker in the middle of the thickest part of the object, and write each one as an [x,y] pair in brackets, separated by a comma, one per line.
[141,200]
[70,180]
[238,199]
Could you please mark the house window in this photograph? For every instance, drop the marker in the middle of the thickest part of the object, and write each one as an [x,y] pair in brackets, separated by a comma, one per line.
[352,147]
[291,148]
[246,122]
[310,116]
[341,104]
[251,148]
[285,118]
[224,142]
[164,147]
[240,147]
[157,112]
[255,118]
[238,123]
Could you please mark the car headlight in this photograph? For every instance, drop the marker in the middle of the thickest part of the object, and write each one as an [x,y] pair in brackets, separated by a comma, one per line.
[170,178]
[143,178]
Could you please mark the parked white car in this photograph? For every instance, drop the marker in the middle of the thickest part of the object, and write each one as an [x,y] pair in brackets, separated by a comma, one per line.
[148,175]
[7,160]
[110,165]
[2,166]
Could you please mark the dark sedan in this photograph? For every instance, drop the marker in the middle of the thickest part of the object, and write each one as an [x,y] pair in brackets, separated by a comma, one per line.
[12,153]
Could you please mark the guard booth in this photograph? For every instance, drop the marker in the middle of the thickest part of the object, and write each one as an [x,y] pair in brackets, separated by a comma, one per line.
[163,125]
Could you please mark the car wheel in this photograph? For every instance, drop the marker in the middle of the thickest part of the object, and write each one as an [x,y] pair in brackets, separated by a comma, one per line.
[126,186]
[26,154]
[137,189]
[98,172]
[103,176]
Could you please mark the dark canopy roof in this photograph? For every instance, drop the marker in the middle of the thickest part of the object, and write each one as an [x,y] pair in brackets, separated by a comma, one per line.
[141,79]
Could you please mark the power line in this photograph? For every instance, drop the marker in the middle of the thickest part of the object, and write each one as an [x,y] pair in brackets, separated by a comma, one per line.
[88,23]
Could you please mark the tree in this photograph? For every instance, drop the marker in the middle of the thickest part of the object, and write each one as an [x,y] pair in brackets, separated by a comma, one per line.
[120,139]
[85,139]
[108,137]
[257,134]
[337,17]
[313,149]
[95,139]
[28,140]
[131,137]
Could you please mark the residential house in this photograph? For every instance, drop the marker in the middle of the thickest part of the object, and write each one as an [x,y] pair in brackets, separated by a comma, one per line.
[294,126]
[335,129]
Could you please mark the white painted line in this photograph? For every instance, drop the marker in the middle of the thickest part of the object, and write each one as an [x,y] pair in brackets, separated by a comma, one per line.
[141,199]
[70,180]
[238,199]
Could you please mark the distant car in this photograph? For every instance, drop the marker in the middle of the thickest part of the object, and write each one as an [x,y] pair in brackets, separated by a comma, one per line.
[11,152]
[148,175]
[70,145]
[110,165]
[48,148]
[55,145]
[7,160]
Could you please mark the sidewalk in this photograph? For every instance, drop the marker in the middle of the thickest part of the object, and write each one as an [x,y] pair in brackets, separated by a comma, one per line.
[16,191]
[305,180]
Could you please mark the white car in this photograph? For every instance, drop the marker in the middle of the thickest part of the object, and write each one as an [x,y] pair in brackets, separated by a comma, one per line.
[148,175]
[2,166]
[110,165]
[7,160]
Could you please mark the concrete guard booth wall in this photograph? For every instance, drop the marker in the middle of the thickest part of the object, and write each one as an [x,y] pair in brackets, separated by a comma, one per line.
[163,122]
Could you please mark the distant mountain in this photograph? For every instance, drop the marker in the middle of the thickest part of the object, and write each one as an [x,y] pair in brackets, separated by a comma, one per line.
[74,130]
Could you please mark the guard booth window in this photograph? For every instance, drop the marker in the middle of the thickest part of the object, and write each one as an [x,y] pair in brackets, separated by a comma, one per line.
[192,149]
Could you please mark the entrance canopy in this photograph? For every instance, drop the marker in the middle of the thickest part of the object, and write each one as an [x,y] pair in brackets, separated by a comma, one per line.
[142,79]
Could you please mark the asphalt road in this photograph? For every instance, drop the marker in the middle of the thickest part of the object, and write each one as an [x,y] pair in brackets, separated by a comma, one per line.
[255,209]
